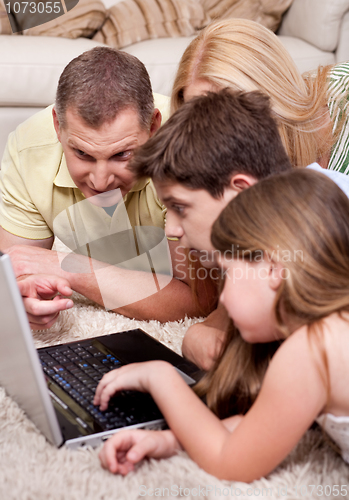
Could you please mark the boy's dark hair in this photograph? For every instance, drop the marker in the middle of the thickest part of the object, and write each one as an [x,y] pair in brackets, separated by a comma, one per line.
[212,137]
[100,83]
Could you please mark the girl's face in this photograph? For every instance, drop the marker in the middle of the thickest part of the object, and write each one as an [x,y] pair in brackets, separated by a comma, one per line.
[248,295]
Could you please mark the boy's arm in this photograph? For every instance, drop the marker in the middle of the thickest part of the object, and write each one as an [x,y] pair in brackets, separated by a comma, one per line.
[203,342]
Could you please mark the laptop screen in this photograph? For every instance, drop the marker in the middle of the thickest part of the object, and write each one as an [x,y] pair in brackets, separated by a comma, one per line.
[20,370]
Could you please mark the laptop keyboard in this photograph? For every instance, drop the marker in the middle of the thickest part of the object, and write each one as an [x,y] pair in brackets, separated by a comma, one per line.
[77,369]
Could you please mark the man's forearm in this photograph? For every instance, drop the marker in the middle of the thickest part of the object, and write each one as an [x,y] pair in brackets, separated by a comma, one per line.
[137,294]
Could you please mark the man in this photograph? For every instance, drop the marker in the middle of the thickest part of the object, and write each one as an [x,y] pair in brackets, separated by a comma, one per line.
[213,147]
[64,173]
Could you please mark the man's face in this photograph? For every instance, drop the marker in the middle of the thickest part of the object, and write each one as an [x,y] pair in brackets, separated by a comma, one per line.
[191,214]
[97,159]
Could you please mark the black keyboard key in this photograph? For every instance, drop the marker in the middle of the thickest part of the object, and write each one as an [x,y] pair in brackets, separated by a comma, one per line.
[95,363]
[58,368]
[82,365]
[78,370]
[92,350]
[92,386]
[49,371]
[73,357]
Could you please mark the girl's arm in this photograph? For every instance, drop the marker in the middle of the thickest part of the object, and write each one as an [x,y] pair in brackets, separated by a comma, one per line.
[292,396]
[124,449]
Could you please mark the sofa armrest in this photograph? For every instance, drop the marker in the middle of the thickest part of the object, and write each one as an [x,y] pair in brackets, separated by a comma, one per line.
[342,53]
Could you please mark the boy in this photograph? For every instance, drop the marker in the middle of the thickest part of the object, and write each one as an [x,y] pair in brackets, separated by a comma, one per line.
[208,151]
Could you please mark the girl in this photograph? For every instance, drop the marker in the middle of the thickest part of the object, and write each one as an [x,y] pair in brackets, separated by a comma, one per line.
[284,245]
[312,112]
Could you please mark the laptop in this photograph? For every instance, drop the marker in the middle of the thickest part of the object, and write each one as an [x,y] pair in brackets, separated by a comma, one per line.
[55,385]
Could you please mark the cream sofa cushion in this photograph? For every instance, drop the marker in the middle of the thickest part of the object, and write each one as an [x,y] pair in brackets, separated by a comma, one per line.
[161,58]
[307,57]
[316,21]
[30,71]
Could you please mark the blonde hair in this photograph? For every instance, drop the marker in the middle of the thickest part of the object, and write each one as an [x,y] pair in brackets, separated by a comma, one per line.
[299,219]
[244,55]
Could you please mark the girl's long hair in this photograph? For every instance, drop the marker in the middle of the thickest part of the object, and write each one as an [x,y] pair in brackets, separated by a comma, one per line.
[300,220]
[244,55]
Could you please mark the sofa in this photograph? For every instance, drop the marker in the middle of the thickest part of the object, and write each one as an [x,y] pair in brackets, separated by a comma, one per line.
[313,31]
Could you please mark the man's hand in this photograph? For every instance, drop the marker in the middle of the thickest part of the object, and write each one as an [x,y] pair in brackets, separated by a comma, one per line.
[118,288]
[39,293]
[203,342]
[126,448]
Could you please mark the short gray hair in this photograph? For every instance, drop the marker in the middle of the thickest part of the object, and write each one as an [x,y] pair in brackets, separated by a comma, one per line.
[100,83]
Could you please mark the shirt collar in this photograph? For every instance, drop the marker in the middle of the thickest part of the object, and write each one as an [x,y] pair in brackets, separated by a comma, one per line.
[140,184]
[63,177]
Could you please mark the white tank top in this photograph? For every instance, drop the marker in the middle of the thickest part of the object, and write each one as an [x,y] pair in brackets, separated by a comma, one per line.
[338,429]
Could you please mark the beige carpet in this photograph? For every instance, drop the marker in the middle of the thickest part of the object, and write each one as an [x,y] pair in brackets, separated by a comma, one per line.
[32,469]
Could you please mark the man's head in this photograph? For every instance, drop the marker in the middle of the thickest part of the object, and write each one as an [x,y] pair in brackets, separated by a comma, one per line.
[104,109]
[205,154]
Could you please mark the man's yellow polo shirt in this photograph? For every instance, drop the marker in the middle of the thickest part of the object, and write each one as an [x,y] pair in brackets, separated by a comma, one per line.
[38,192]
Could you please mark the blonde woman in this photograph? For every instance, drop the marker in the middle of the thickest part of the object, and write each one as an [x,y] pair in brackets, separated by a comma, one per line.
[286,257]
[244,55]
[312,114]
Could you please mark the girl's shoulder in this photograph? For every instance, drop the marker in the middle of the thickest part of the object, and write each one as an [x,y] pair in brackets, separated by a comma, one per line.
[295,352]
[332,330]
[323,350]
[328,338]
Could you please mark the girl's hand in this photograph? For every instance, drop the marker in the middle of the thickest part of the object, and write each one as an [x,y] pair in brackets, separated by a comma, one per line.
[134,377]
[126,448]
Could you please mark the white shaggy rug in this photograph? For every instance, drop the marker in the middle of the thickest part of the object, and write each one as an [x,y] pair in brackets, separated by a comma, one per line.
[32,469]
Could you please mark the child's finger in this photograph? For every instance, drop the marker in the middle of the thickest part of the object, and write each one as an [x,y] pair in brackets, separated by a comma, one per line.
[108,391]
[125,468]
[126,377]
[143,448]
[107,387]
[116,446]
[105,380]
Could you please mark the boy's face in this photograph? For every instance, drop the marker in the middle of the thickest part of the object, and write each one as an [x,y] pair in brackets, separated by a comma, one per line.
[191,214]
